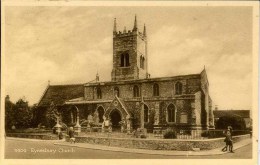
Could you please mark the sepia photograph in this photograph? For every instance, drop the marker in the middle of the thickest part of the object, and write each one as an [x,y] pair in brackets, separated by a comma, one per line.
[151,81]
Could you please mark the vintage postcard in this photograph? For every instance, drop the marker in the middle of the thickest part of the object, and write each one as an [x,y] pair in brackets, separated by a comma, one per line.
[113,82]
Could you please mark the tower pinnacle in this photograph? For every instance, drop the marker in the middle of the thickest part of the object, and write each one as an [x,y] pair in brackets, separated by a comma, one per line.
[97,77]
[144,33]
[135,24]
[114,26]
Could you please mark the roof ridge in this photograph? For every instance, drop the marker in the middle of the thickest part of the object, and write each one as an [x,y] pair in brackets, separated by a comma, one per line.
[43,94]
[66,84]
[61,93]
[153,78]
[121,101]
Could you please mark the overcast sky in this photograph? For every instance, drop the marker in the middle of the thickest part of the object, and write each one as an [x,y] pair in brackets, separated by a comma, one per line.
[67,45]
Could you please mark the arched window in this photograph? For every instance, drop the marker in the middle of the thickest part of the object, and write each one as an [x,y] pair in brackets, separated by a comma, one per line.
[136,91]
[124,60]
[101,114]
[127,59]
[142,62]
[178,88]
[99,93]
[171,113]
[116,91]
[146,113]
[155,90]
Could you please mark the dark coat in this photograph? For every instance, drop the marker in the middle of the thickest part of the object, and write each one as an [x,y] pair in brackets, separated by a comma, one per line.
[71,133]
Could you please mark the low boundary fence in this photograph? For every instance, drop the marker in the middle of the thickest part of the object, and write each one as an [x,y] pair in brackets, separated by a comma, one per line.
[158,144]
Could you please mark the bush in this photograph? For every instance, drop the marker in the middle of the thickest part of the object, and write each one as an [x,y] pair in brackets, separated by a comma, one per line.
[204,134]
[221,133]
[170,134]
[31,130]
[95,129]
[143,137]
[237,123]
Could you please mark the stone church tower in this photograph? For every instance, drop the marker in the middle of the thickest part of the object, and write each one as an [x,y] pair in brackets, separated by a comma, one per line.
[129,54]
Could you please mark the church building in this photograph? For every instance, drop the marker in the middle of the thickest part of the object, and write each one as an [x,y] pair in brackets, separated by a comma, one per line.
[181,102]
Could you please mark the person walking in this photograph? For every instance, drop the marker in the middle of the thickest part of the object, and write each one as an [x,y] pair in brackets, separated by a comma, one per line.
[229,141]
[226,141]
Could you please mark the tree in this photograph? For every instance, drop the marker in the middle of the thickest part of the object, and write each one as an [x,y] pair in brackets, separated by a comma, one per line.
[9,113]
[35,116]
[52,115]
[237,123]
[23,114]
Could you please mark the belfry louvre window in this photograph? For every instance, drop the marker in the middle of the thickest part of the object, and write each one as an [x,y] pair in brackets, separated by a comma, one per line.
[124,60]
[171,113]
[142,62]
[155,90]
[99,93]
[178,88]
[136,91]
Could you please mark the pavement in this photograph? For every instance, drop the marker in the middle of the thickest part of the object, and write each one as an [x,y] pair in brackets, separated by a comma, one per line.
[216,151]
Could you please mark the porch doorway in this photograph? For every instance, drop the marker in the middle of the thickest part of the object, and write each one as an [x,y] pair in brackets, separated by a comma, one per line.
[115,117]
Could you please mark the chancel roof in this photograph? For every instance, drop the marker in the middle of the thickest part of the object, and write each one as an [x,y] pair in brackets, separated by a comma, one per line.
[58,94]
[229,113]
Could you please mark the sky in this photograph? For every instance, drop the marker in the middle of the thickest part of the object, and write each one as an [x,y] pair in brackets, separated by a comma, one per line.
[69,45]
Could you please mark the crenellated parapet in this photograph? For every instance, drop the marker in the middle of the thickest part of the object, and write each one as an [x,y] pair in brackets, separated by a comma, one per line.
[129,33]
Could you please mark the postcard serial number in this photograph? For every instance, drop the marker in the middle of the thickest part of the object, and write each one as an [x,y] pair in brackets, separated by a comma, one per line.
[19,150]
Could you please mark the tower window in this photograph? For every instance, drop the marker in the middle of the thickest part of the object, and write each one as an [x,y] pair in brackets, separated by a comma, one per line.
[124,59]
[136,91]
[142,62]
[178,88]
[99,93]
[155,90]
[171,113]
[116,91]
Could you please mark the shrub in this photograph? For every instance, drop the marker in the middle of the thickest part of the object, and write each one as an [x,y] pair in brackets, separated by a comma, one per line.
[143,137]
[94,129]
[205,134]
[170,134]
[237,123]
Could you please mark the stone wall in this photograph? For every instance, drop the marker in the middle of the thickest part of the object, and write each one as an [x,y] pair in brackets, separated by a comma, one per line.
[159,144]
[187,105]
[190,85]
[33,136]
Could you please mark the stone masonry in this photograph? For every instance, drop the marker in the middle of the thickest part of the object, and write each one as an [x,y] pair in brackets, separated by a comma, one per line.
[179,102]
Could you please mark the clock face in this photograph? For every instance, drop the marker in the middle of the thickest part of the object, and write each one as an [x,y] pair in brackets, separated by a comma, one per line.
[115,103]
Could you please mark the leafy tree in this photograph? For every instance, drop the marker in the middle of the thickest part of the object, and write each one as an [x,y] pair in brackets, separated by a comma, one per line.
[23,114]
[9,113]
[35,116]
[237,123]
[52,115]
